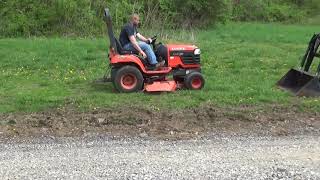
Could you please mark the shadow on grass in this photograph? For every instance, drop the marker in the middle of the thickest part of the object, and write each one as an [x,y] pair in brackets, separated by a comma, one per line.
[102,87]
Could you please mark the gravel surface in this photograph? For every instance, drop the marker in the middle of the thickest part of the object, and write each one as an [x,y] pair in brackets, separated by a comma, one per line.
[212,157]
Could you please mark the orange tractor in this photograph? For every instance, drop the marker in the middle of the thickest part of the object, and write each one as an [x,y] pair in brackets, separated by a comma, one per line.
[130,72]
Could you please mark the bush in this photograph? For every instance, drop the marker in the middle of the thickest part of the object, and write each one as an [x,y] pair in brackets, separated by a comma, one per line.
[267,10]
[43,17]
[85,17]
[201,13]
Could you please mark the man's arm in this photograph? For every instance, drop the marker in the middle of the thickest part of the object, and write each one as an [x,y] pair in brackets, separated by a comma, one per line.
[136,46]
[142,38]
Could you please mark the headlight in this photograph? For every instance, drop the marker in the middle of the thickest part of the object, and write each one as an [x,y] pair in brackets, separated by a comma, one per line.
[197,52]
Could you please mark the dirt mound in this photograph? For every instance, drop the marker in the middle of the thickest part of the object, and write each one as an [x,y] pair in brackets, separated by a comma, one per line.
[134,121]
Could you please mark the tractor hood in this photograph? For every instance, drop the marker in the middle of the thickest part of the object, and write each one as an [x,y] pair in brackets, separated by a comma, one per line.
[181,47]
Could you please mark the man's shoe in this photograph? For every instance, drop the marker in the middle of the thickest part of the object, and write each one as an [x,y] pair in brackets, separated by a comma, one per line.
[162,63]
[157,66]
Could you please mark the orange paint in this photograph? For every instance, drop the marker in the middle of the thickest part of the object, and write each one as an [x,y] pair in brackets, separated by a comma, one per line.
[158,86]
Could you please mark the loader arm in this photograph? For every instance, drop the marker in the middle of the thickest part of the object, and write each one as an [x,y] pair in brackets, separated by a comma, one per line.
[311,53]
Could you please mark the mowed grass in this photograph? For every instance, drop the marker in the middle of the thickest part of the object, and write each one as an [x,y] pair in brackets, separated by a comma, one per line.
[241,64]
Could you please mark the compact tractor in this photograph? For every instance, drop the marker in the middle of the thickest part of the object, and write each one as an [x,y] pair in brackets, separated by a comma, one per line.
[130,72]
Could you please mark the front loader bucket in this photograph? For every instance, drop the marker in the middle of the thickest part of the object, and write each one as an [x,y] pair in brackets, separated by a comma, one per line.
[311,89]
[300,83]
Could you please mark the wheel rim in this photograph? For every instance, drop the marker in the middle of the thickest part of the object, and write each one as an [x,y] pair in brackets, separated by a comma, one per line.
[128,81]
[196,83]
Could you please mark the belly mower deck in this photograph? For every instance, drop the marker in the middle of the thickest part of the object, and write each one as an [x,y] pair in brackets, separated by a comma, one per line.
[161,86]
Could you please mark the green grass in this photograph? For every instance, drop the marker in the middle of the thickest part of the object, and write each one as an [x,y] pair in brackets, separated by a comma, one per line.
[241,64]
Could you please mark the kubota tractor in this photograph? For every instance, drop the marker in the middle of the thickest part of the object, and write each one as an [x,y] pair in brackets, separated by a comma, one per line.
[130,72]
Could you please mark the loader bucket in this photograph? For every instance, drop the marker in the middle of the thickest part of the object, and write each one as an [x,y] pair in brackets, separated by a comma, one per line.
[311,89]
[297,81]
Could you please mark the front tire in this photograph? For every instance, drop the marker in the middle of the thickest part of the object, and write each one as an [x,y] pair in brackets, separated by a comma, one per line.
[194,81]
[128,79]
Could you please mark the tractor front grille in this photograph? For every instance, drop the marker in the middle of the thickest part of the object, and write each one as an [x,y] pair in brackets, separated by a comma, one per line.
[187,57]
[190,58]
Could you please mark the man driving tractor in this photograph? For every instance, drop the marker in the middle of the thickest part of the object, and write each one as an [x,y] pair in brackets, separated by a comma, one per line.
[128,40]
[130,73]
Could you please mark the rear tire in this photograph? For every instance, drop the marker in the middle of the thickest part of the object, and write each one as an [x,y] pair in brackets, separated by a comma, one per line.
[128,79]
[194,81]
[113,73]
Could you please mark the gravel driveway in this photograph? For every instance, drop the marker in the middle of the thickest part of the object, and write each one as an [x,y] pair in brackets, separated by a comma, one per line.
[212,157]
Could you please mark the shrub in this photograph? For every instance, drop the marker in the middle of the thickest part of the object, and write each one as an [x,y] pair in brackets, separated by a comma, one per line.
[84,17]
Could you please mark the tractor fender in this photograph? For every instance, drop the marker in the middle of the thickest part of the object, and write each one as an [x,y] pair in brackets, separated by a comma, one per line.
[128,59]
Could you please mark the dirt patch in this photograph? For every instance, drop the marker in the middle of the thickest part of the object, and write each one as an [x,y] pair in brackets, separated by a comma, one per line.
[137,121]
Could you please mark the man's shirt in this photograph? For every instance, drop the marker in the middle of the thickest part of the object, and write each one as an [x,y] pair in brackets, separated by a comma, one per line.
[127,31]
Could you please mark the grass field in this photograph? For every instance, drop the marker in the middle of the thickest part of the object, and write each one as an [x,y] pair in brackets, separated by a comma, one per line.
[241,64]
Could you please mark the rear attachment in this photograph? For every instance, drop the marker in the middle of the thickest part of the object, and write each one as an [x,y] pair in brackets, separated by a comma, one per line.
[300,81]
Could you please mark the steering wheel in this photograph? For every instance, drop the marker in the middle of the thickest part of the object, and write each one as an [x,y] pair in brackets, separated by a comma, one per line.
[154,39]
[153,42]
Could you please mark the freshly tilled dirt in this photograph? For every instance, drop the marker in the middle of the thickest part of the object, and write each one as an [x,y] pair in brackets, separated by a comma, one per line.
[163,123]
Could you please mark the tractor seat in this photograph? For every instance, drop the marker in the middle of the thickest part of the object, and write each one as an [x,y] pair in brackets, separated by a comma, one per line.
[122,51]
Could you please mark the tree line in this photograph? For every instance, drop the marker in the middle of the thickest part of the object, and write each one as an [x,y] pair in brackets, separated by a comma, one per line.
[85,17]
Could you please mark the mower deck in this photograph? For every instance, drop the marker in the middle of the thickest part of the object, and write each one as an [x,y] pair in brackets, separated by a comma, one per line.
[161,86]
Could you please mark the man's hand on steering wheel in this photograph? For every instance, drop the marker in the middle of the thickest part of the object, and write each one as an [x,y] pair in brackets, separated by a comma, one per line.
[152,40]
